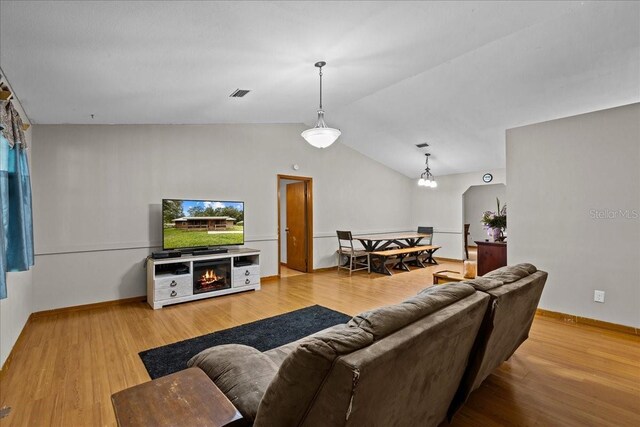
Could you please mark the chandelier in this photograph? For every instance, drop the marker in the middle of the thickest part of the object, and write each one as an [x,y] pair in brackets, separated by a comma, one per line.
[427,179]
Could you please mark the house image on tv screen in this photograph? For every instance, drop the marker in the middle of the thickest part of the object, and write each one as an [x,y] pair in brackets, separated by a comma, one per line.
[204,223]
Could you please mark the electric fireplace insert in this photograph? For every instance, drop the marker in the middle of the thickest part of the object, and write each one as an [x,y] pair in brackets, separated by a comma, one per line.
[211,275]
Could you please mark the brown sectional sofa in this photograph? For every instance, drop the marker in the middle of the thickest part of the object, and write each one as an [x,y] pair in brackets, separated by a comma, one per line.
[405,364]
[515,292]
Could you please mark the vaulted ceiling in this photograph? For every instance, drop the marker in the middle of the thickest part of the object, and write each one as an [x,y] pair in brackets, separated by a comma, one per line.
[453,74]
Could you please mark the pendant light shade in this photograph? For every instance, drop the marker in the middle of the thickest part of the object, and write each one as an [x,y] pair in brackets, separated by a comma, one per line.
[321,136]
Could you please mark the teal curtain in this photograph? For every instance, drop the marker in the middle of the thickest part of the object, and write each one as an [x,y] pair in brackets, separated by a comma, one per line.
[16,234]
[4,212]
[20,236]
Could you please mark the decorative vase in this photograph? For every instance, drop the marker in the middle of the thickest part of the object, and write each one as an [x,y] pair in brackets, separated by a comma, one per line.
[470,269]
[497,234]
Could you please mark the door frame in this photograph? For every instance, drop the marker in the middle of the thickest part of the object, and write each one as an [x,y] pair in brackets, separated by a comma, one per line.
[309,218]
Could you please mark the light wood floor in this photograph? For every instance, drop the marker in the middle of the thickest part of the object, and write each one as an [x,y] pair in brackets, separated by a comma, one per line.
[67,366]
[289,272]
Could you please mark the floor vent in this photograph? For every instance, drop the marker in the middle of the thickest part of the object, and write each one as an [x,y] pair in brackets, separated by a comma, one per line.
[239,93]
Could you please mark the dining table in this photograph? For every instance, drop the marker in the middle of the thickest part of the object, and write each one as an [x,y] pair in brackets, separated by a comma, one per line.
[379,242]
[382,243]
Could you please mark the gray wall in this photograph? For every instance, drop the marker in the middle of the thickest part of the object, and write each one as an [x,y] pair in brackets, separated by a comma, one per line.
[574,199]
[97,192]
[477,200]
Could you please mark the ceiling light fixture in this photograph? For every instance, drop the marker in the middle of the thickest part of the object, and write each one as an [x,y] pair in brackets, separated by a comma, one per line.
[321,136]
[427,179]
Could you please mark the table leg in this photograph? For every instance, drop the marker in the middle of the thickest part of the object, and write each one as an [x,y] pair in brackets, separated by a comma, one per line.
[400,265]
[429,259]
[417,262]
[378,265]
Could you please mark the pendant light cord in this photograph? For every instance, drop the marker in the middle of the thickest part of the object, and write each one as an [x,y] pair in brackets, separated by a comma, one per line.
[320,87]
[427,171]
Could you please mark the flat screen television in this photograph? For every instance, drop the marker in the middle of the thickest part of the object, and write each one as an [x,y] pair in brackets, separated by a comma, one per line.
[189,224]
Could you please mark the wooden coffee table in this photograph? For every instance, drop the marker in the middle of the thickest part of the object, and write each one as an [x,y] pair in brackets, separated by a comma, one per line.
[447,276]
[186,398]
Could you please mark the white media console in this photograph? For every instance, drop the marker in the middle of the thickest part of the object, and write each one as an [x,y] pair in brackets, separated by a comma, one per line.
[193,277]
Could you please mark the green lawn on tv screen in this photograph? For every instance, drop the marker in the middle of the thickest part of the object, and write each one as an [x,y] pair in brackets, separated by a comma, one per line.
[174,238]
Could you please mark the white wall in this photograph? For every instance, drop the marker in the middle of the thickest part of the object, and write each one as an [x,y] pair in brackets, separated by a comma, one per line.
[477,200]
[16,308]
[442,208]
[563,175]
[97,192]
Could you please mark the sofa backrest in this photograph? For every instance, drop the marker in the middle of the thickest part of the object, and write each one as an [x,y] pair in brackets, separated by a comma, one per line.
[515,292]
[396,365]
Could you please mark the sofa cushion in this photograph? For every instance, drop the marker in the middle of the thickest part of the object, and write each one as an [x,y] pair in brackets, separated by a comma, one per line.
[303,371]
[386,320]
[242,373]
[483,283]
[511,273]
[278,354]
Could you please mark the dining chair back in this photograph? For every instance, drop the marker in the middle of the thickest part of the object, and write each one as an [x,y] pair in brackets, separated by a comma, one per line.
[466,240]
[429,231]
[355,259]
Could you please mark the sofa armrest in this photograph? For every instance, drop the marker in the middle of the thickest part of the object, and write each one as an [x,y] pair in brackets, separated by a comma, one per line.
[241,372]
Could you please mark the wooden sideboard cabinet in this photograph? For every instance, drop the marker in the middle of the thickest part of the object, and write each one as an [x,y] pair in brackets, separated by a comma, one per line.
[491,256]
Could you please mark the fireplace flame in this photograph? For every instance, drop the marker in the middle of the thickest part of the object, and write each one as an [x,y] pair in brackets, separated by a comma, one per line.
[209,277]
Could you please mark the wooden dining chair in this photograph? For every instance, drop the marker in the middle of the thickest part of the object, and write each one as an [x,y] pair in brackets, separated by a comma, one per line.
[426,230]
[357,259]
[466,240]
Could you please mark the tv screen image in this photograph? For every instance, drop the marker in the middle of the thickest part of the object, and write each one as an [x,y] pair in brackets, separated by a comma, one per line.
[201,223]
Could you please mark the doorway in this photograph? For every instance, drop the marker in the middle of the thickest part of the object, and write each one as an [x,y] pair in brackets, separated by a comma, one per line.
[295,223]
[475,201]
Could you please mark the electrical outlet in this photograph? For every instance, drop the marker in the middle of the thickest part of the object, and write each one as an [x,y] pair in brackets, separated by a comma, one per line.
[598,296]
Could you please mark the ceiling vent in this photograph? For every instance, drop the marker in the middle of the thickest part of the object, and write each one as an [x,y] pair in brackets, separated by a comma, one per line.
[239,93]
[423,145]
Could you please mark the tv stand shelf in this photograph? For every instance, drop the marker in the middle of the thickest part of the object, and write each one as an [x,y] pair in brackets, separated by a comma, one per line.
[171,280]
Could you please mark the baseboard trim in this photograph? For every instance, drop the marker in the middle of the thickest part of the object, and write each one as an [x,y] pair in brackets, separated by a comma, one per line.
[18,342]
[82,307]
[572,318]
[269,278]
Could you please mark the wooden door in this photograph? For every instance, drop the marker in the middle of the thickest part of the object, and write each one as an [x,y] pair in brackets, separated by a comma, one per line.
[296,227]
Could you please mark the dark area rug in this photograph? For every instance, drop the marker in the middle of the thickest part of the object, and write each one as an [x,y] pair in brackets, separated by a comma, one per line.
[263,335]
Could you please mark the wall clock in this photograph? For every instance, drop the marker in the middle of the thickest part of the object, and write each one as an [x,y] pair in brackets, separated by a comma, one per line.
[487,177]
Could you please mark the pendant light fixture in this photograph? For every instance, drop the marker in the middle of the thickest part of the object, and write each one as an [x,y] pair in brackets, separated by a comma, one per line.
[321,136]
[427,179]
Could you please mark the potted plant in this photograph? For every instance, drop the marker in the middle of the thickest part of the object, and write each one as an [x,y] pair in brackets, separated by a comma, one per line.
[496,222]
